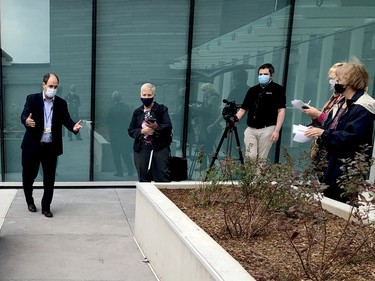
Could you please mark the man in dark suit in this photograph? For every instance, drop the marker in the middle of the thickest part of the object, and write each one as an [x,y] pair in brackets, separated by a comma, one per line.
[43,116]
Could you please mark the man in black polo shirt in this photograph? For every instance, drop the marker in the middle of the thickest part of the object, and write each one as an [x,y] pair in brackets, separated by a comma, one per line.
[265,104]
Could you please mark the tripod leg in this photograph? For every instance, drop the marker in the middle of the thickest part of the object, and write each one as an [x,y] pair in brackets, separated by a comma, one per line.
[193,163]
[214,157]
[238,145]
[229,143]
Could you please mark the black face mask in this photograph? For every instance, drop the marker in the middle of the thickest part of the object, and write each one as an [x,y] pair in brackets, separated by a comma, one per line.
[147,101]
[340,88]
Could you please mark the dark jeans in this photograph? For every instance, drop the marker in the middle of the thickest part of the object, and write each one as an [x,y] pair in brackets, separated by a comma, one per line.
[159,170]
[30,167]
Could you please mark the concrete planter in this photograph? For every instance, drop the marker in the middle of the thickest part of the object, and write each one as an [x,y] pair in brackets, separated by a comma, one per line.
[177,248]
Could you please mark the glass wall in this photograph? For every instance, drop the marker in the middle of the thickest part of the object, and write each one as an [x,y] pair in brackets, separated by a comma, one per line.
[60,42]
[147,41]
[231,38]
[325,32]
[136,43]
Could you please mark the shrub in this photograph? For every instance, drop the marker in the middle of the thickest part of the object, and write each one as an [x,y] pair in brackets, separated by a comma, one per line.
[265,193]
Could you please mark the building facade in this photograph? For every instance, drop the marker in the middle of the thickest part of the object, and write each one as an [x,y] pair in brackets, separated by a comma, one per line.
[97,47]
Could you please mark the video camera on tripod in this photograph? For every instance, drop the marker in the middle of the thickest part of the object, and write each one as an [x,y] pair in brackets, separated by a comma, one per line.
[230,110]
[229,113]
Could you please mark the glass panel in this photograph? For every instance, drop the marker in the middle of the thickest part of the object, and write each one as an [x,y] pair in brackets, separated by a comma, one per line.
[137,42]
[320,40]
[135,45]
[60,42]
[230,37]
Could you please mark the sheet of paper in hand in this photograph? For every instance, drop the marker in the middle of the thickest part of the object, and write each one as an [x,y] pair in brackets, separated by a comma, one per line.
[300,104]
[299,131]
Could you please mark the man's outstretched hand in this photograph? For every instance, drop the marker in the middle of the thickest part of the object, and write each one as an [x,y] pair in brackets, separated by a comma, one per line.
[30,121]
[77,126]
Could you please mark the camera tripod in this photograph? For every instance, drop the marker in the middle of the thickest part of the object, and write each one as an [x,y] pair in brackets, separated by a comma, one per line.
[228,134]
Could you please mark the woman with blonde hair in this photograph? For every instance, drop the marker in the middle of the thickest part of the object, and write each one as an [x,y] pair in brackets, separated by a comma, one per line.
[343,134]
[319,116]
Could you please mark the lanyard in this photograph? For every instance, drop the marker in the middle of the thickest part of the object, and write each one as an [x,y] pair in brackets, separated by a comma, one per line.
[48,118]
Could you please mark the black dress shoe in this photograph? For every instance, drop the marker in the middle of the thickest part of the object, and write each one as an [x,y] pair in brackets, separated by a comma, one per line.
[32,208]
[48,214]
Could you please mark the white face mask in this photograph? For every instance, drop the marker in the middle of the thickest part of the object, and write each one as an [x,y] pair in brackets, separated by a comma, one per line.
[332,83]
[50,92]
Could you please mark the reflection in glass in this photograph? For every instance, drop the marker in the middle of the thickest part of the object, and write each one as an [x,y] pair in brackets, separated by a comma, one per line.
[135,44]
[228,57]
[61,44]
[121,143]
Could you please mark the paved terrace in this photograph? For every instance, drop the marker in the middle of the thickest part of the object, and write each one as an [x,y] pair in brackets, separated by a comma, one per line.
[90,237]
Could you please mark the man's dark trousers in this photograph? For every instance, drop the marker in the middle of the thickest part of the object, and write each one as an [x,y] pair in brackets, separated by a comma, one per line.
[48,158]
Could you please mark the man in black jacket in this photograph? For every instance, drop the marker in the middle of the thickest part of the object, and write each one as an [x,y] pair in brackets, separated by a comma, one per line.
[43,116]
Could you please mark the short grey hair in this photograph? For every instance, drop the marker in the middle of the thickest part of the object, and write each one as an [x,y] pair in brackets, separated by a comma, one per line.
[148,86]
[116,96]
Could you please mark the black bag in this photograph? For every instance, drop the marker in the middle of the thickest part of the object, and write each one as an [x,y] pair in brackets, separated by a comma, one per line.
[178,168]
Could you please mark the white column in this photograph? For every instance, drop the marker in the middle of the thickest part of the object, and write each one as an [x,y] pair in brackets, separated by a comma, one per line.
[300,79]
[325,63]
[356,43]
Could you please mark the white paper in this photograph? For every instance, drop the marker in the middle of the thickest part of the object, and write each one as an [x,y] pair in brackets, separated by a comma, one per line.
[298,104]
[299,131]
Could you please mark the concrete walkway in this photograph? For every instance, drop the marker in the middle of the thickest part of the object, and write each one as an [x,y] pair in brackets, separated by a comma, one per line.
[90,237]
